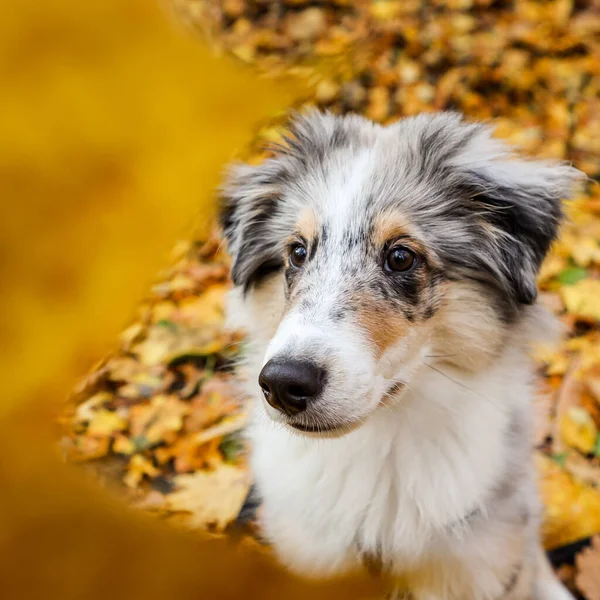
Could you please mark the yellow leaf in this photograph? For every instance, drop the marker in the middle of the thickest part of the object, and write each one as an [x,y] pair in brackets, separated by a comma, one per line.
[583,298]
[163,416]
[572,510]
[138,467]
[87,410]
[123,445]
[105,422]
[206,309]
[551,267]
[586,251]
[578,429]
[557,362]
[157,345]
[386,9]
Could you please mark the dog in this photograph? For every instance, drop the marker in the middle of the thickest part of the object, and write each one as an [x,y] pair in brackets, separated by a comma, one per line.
[386,277]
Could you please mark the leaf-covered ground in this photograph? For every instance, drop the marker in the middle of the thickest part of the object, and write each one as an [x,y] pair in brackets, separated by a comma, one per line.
[162,415]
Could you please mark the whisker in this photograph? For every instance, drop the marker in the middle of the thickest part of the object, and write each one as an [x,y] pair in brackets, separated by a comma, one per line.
[462,385]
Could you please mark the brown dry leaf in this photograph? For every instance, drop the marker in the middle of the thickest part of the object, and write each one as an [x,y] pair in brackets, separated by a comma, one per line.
[195,451]
[568,397]
[588,566]
[218,398]
[592,380]
[590,403]
[87,447]
[193,378]
[209,499]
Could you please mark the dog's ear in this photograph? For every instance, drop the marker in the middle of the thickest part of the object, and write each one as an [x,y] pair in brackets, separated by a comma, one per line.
[518,204]
[249,204]
[521,202]
[251,195]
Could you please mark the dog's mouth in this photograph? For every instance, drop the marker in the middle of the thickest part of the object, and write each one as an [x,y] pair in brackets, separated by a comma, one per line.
[317,428]
[325,429]
[393,391]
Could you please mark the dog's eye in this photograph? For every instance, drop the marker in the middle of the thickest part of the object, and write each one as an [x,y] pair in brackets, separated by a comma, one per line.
[297,256]
[399,259]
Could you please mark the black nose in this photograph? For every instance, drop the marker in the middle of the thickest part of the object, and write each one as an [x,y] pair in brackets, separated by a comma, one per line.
[288,385]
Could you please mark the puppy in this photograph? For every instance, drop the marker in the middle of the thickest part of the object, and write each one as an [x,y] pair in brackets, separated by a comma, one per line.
[387,280]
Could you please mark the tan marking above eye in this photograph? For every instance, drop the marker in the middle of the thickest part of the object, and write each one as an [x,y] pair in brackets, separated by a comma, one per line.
[307,225]
[394,227]
[389,226]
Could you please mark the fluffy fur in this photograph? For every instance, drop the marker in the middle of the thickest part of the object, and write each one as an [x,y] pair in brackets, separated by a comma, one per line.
[417,458]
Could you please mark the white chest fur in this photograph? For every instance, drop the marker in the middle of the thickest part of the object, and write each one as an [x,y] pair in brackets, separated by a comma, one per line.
[392,487]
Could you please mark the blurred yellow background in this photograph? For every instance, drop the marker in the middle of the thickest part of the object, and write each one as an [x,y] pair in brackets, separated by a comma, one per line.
[114,126]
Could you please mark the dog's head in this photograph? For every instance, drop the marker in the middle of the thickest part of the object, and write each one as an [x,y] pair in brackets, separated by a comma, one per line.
[362,251]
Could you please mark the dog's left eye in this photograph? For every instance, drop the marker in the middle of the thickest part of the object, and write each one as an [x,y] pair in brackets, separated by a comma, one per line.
[297,256]
[399,259]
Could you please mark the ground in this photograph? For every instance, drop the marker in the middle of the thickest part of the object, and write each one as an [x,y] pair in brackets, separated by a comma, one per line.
[161,417]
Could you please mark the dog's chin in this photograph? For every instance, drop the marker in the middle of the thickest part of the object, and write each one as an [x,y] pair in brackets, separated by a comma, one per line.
[324,429]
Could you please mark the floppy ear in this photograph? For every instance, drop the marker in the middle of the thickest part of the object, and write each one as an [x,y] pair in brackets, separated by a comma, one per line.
[249,203]
[518,203]
[251,196]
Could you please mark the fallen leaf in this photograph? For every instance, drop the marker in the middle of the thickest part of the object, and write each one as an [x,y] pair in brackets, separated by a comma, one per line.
[138,468]
[206,309]
[572,509]
[578,430]
[592,380]
[162,416]
[105,423]
[217,399]
[572,275]
[160,340]
[588,570]
[88,447]
[210,499]
[568,397]
[86,411]
[583,298]
[583,469]
[123,445]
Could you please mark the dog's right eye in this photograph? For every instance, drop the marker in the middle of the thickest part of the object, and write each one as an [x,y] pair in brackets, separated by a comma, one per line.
[298,255]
